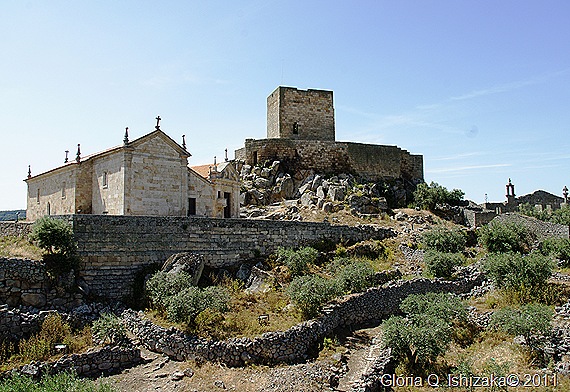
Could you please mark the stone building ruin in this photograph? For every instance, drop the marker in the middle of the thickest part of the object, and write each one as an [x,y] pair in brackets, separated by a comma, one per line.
[301,136]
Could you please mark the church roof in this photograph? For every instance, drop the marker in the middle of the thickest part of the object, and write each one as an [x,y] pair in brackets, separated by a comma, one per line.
[156,133]
[202,170]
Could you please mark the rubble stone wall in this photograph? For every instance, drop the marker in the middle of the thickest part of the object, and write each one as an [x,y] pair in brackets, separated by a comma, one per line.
[297,343]
[26,282]
[15,229]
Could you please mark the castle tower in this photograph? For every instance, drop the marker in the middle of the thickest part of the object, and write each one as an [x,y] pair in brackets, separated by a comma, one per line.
[300,114]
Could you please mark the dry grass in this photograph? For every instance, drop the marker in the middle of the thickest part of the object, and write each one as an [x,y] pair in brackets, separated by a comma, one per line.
[12,246]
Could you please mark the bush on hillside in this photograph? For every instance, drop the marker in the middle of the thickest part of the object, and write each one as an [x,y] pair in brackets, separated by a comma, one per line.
[109,329]
[556,247]
[355,277]
[505,237]
[441,265]
[297,260]
[186,305]
[162,286]
[425,332]
[532,321]
[524,276]
[310,292]
[445,240]
[428,196]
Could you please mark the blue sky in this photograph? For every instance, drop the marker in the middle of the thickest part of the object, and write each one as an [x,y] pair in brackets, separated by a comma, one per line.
[480,88]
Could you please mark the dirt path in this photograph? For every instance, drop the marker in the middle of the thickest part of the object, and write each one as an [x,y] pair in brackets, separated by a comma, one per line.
[363,349]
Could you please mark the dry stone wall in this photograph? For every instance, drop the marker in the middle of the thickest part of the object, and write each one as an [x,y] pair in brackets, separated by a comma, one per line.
[26,283]
[16,229]
[297,343]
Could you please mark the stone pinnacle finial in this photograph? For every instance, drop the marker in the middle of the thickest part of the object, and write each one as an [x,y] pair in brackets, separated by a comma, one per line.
[184,142]
[214,160]
[157,127]
[78,156]
[226,158]
[66,156]
[565,193]
[29,171]
[126,138]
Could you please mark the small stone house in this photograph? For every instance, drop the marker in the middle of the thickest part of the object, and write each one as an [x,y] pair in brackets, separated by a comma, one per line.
[147,176]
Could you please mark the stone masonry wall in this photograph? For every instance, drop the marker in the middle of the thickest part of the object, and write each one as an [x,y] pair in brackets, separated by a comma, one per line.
[298,342]
[311,110]
[16,229]
[26,282]
[115,248]
[373,162]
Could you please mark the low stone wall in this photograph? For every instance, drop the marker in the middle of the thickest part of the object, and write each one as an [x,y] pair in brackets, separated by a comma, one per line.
[540,228]
[94,362]
[298,342]
[17,229]
[16,324]
[371,380]
[26,283]
[115,248]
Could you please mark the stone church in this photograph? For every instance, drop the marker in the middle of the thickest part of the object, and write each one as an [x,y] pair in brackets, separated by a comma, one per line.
[147,176]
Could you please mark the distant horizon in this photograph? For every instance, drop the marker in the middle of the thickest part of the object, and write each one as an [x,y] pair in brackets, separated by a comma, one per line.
[480,89]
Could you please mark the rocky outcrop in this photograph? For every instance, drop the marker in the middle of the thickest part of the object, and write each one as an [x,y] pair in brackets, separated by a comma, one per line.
[263,185]
[191,263]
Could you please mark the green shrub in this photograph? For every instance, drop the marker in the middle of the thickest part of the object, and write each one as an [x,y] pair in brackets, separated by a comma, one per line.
[297,260]
[53,236]
[61,382]
[444,306]
[161,286]
[441,264]
[505,237]
[186,305]
[444,240]
[109,329]
[561,216]
[556,247]
[310,292]
[426,330]
[531,321]
[428,196]
[355,277]
[522,275]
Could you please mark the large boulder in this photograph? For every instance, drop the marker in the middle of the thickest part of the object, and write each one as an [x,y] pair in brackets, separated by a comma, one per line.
[259,281]
[191,263]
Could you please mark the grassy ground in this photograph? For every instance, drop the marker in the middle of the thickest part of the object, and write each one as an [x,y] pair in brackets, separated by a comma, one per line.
[18,247]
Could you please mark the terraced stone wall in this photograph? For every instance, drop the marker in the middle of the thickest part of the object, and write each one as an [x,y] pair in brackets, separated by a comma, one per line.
[115,248]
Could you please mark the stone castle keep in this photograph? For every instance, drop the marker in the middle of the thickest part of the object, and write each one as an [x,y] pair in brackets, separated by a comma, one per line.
[301,135]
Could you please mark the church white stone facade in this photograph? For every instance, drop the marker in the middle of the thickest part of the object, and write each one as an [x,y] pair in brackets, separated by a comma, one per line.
[148,176]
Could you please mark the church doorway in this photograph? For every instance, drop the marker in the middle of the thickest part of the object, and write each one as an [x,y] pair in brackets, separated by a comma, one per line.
[228,207]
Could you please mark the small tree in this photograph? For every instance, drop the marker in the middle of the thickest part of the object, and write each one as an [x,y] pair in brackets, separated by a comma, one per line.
[310,292]
[162,286]
[445,240]
[522,275]
[505,237]
[441,265]
[56,238]
[428,196]
[426,330]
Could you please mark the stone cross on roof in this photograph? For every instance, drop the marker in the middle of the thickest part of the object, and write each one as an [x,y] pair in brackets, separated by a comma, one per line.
[157,123]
